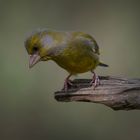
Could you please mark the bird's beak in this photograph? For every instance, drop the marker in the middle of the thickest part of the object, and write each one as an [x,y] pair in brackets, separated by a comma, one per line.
[34,58]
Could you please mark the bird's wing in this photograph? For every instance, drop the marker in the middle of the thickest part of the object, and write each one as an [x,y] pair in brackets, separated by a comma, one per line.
[88,40]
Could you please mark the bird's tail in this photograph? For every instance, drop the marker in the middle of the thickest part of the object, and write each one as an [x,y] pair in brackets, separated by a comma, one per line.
[103,65]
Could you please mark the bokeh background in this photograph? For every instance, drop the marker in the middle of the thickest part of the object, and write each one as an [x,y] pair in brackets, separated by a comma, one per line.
[28,110]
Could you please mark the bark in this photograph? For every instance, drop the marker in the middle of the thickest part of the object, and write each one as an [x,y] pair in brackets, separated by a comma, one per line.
[117,93]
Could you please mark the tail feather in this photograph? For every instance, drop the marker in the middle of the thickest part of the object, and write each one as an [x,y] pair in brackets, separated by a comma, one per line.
[103,65]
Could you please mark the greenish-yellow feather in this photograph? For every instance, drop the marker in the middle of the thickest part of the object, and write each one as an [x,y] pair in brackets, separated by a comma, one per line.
[77,52]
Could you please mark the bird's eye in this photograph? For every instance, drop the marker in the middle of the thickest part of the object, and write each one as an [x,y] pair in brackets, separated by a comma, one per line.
[35,49]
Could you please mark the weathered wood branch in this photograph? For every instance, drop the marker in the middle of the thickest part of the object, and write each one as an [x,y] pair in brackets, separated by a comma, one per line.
[117,93]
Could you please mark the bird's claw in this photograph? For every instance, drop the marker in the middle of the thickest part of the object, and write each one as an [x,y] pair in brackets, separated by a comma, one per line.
[95,81]
[67,84]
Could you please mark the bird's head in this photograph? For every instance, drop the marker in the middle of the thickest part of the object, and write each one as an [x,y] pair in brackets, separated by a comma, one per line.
[36,48]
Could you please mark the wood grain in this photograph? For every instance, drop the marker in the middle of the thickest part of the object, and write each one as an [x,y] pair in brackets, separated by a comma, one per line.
[115,92]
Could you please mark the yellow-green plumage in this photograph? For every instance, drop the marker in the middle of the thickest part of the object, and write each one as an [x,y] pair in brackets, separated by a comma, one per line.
[77,57]
[76,52]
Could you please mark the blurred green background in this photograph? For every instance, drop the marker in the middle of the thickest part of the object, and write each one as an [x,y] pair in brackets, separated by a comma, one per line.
[28,110]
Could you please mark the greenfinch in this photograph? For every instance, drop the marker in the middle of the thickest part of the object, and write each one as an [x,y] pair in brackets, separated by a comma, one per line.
[76,52]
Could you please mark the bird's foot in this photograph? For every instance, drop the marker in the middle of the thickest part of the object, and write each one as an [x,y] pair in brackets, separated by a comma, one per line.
[67,84]
[95,80]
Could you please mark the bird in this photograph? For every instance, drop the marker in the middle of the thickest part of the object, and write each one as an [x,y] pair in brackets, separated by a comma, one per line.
[75,51]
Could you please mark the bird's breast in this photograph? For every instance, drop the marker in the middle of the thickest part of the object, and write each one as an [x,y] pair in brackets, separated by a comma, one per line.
[77,60]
